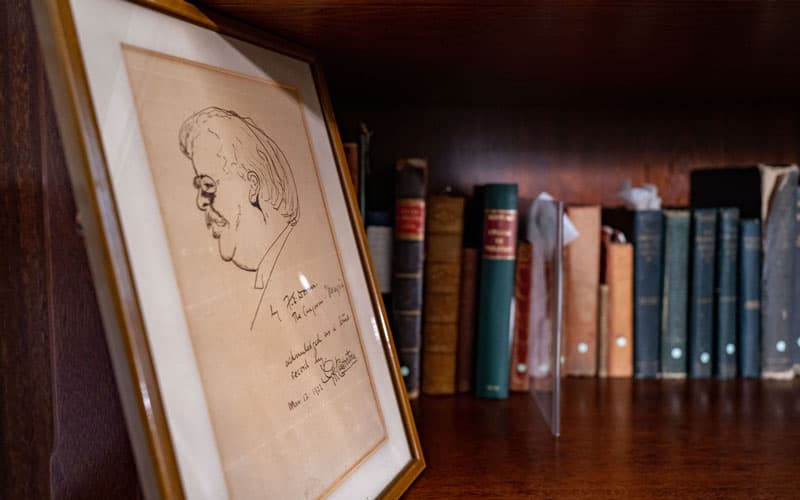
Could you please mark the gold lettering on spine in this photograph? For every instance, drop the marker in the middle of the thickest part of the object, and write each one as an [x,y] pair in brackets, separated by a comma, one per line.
[500,234]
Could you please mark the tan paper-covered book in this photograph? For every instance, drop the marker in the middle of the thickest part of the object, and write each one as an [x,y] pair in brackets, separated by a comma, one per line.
[581,279]
[619,279]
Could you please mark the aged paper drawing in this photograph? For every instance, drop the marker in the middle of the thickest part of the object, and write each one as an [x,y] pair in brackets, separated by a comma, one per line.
[290,395]
[251,228]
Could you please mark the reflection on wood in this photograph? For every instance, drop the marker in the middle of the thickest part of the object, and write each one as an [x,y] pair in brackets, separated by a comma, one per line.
[621,438]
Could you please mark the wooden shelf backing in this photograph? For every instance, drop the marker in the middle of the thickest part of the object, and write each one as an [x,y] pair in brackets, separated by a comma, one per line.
[621,438]
[578,154]
[580,49]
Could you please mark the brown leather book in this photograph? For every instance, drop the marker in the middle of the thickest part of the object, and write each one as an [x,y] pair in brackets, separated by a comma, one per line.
[518,381]
[619,279]
[466,319]
[442,289]
[581,281]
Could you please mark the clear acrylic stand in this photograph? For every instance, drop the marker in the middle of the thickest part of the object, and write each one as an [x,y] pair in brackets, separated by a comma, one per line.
[544,359]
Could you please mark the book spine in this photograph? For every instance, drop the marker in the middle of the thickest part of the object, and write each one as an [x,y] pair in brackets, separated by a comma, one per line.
[380,239]
[363,170]
[726,291]
[468,299]
[701,324]
[795,344]
[442,286]
[620,281]
[750,298]
[776,285]
[407,268]
[675,307]
[496,290]
[581,279]
[602,331]
[648,236]
[522,305]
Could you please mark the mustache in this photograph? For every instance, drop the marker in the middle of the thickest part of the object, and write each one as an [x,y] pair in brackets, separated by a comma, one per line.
[214,218]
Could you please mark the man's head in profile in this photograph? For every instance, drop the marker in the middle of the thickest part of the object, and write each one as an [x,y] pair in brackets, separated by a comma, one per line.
[245,188]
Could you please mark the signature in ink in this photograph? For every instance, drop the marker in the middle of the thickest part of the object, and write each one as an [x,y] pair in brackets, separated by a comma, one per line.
[334,369]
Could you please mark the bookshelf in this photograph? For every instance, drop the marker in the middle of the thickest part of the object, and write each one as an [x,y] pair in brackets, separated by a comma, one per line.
[570,97]
[621,438]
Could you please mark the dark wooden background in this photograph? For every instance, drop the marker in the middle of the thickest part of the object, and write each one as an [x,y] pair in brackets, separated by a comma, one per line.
[62,433]
[61,428]
[579,154]
[565,51]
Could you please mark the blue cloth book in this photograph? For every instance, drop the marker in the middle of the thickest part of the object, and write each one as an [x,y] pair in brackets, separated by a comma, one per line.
[675,302]
[726,291]
[701,309]
[749,326]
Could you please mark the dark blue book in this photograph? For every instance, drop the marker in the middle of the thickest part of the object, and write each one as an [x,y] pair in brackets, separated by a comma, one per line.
[675,301]
[407,265]
[726,291]
[701,308]
[647,230]
[779,188]
[750,298]
[796,302]
[768,193]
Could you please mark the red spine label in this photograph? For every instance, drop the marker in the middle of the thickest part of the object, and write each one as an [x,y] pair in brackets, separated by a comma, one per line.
[410,219]
[499,234]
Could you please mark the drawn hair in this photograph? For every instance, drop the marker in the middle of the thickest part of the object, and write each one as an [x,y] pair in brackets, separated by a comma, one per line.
[244,148]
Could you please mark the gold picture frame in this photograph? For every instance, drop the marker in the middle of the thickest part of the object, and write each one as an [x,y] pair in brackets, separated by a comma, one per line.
[131,136]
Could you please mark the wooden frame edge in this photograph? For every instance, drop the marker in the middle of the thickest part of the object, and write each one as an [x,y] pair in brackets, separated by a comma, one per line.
[122,318]
[417,464]
[108,259]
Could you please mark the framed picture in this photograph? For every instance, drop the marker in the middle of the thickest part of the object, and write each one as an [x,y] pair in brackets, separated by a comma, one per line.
[245,325]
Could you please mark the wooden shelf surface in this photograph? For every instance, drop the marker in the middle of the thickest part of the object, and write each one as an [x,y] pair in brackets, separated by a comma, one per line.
[621,438]
[489,51]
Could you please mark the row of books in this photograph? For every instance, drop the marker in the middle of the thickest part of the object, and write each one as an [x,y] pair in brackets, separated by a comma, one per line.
[701,291]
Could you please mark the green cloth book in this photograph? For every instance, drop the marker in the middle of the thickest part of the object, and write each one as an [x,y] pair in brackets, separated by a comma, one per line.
[498,255]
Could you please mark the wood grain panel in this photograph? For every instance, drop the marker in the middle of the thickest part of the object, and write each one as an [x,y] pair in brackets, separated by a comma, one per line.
[61,425]
[26,420]
[620,438]
[578,154]
[485,51]
[91,454]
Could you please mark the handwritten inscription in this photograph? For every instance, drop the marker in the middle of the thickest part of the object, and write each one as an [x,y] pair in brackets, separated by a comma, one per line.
[295,297]
[307,302]
[334,369]
[307,311]
[334,290]
[324,366]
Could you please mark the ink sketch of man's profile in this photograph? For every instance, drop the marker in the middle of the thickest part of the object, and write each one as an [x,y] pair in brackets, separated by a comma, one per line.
[245,188]
[288,386]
